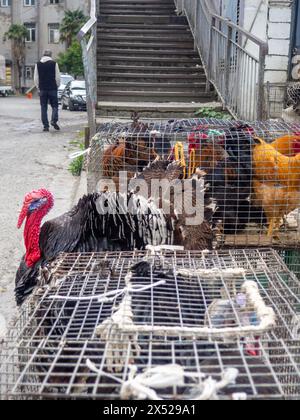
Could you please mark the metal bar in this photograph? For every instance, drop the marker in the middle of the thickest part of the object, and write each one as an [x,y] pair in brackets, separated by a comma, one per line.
[220,44]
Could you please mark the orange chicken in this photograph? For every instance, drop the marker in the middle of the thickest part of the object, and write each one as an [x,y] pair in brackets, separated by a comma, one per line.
[288,145]
[272,166]
[276,183]
[277,202]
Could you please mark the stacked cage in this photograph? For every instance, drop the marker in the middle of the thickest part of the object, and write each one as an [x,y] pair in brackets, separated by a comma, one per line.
[159,324]
[252,171]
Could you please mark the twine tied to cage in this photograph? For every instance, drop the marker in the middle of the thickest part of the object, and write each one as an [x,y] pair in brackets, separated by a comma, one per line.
[143,386]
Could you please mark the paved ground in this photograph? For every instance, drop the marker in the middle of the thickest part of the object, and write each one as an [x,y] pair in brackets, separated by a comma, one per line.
[30,159]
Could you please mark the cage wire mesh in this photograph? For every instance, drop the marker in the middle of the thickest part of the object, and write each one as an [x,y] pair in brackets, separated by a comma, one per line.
[252,170]
[173,325]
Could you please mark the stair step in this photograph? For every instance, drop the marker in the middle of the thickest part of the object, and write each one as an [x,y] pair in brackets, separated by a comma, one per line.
[121,59]
[107,36]
[139,2]
[141,52]
[152,96]
[139,29]
[144,45]
[142,19]
[152,109]
[151,76]
[144,69]
[166,86]
[128,12]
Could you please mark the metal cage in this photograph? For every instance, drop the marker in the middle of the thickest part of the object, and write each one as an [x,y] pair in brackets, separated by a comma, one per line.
[101,326]
[252,194]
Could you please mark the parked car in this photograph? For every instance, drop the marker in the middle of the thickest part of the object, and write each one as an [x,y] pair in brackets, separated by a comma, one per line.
[74,96]
[65,79]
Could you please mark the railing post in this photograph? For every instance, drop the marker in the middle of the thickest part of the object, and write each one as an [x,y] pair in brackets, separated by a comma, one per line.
[261,81]
[228,63]
[197,4]
[209,59]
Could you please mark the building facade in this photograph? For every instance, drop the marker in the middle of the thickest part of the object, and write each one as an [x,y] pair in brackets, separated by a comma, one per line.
[278,23]
[42,19]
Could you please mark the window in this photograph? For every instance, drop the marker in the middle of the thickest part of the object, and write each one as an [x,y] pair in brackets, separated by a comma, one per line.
[31,27]
[5,3]
[29,2]
[53,29]
[55,1]
[29,72]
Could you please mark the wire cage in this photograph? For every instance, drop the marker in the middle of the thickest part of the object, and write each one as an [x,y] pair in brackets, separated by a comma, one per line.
[158,324]
[250,170]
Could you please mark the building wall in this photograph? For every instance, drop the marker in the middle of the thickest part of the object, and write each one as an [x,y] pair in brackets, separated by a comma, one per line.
[5,22]
[41,14]
[272,22]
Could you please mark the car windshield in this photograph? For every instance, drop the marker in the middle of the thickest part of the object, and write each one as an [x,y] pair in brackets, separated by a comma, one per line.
[78,86]
[66,79]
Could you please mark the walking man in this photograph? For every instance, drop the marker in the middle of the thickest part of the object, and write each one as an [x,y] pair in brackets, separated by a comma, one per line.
[47,80]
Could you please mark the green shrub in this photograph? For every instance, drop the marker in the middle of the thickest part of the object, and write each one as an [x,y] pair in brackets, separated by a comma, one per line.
[213,113]
[76,165]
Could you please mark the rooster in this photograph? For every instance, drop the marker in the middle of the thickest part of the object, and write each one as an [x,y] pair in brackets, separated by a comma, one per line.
[276,185]
[227,161]
[288,145]
[99,222]
[191,236]
[272,166]
[130,154]
[277,201]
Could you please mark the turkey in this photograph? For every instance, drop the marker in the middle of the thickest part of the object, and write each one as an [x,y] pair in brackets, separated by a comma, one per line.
[99,222]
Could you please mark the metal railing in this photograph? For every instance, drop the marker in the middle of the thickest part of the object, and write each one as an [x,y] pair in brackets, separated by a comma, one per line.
[89,52]
[233,59]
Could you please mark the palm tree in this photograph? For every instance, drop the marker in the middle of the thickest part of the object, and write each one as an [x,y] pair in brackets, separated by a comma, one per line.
[71,25]
[18,34]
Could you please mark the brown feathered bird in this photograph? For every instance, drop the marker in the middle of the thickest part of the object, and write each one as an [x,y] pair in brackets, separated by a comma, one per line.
[182,204]
[129,154]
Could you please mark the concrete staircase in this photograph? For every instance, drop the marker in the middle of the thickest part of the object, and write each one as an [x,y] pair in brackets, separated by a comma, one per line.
[147,62]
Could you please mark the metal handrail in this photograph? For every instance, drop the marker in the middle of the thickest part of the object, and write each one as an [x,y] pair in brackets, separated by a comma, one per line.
[90,23]
[236,72]
[242,31]
[90,64]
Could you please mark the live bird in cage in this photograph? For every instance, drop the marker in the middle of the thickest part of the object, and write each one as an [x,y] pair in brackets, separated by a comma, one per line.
[99,222]
[276,183]
[226,157]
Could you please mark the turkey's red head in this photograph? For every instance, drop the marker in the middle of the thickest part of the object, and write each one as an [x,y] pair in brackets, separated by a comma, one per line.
[35,207]
[39,201]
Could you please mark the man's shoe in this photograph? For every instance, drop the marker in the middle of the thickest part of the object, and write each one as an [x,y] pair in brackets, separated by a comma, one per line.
[55,126]
[46,129]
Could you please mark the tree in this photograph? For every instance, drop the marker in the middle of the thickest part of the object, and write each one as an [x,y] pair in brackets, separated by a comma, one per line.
[71,61]
[17,34]
[71,25]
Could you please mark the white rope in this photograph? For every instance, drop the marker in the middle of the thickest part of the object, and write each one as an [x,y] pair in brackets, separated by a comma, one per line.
[213,273]
[144,385]
[122,322]
[109,296]
[119,341]
[296,327]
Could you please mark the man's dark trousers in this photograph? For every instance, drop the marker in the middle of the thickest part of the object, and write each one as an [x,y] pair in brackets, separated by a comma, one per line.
[49,96]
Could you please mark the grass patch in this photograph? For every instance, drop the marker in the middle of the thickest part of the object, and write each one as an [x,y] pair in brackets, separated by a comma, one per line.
[76,165]
[213,113]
